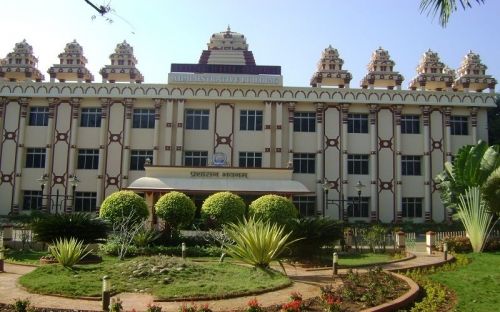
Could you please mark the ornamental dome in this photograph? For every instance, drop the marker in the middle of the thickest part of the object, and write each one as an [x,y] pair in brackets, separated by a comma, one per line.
[329,70]
[471,75]
[23,47]
[381,72]
[227,40]
[21,64]
[73,48]
[71,65]
[432,74]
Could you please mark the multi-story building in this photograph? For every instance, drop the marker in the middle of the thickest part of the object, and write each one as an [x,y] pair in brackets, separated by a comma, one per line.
[226,123]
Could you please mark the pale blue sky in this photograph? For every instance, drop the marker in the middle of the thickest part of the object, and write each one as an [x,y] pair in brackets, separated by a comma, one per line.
[290,33]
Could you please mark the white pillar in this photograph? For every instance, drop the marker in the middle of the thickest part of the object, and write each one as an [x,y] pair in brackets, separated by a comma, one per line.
[179,134]
[473,123]
[168,132]
[320,172]
[397,116]
[20,153]
[102,150]
[278,162]
[129,107]
[291,112]
[344,139]
[75,115]
[156,133]
[447,133]
[373,164]
[427,163]
[266,158]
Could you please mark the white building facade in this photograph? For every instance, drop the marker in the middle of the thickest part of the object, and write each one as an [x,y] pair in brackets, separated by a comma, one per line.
[226,112]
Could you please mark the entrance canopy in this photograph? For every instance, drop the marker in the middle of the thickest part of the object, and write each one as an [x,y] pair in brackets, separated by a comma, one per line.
[217,179]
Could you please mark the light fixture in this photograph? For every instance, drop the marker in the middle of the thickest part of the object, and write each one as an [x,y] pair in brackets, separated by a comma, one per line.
[43,181]
[359,187]
[74,181]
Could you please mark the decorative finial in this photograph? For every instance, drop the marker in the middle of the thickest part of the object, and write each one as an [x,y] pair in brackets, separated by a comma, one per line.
[228,28]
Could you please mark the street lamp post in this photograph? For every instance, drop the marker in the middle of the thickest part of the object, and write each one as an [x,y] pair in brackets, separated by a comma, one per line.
[53,200]
[359,188]
[340,202]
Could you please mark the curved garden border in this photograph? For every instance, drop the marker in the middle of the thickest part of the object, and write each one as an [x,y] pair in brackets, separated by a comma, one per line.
[409,256]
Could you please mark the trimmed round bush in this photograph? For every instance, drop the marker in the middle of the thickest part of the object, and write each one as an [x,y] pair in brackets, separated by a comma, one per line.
[123,204]
[273,208]
[176,209]
[223,208]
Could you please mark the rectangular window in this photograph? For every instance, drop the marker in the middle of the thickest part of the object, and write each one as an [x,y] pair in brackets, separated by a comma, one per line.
[196,158]
[357,123]
[88,159]
[357,164]
[304,122]
[412,207]
[304,163]
[250,160]
[251,120]
[90,117]
[410,124]
[459,125]
[39,116]
[197,119]
[410,165]
[32,200]
[143,118]
[358,207]
[306,205]
[85,201]
[35,157]
[138,158]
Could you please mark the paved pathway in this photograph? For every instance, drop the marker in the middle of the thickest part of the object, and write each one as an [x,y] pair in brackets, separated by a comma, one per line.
[305,281]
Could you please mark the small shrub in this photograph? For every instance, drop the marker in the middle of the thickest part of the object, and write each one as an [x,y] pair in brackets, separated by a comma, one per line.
[124,204]
[81,226]
[458,244]
[492,244]
[194,308]
[315,233]
[176,209]
[253,306]
[21,305]
[113,245]
[115,305]
[222,208]
[273,208]
[68,252]
[292,306]
[153,308]
[145,237]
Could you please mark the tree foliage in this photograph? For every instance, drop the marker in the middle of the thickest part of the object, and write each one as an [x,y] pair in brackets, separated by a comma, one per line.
[273,208]
[124,204]
[176,209]
[223,208]
[445,8]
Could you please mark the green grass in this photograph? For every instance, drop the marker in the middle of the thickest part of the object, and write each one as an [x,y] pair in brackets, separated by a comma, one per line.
[360,259]
[476,285]
[24,256]
[164,277]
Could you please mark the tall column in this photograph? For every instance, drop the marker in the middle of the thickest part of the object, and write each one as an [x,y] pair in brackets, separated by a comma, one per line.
[179,140]
[291,112]
[75,115]
[168,133]
[473,123]
[447,133]
[20,153]
[53,102]
[129,106]
[266,159]
[399,182]
[320,172]
[373,164]
[156,133]
[344,139]
[279,135]
[102,149]
[427,163]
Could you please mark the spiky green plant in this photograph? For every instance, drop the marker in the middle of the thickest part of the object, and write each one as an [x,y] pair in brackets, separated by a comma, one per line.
[474,214]
[68,252]
[257,242]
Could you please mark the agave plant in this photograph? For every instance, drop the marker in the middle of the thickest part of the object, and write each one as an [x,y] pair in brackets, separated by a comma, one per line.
[68,252]
[474,214]
[257,242]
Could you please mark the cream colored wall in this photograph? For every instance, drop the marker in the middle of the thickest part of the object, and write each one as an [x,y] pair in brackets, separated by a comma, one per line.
[200,140]
[247,141]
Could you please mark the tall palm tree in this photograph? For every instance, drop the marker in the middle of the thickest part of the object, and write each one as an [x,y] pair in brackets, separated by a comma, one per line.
[445,8]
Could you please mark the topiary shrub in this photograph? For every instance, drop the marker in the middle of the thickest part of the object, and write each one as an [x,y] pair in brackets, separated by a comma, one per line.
[222,208]
[124,205]
[176,209]
[273,208]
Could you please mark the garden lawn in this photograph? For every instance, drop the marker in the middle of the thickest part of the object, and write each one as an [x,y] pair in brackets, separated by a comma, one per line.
[360,259]
[166,278]
[24,256]
[476,285]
